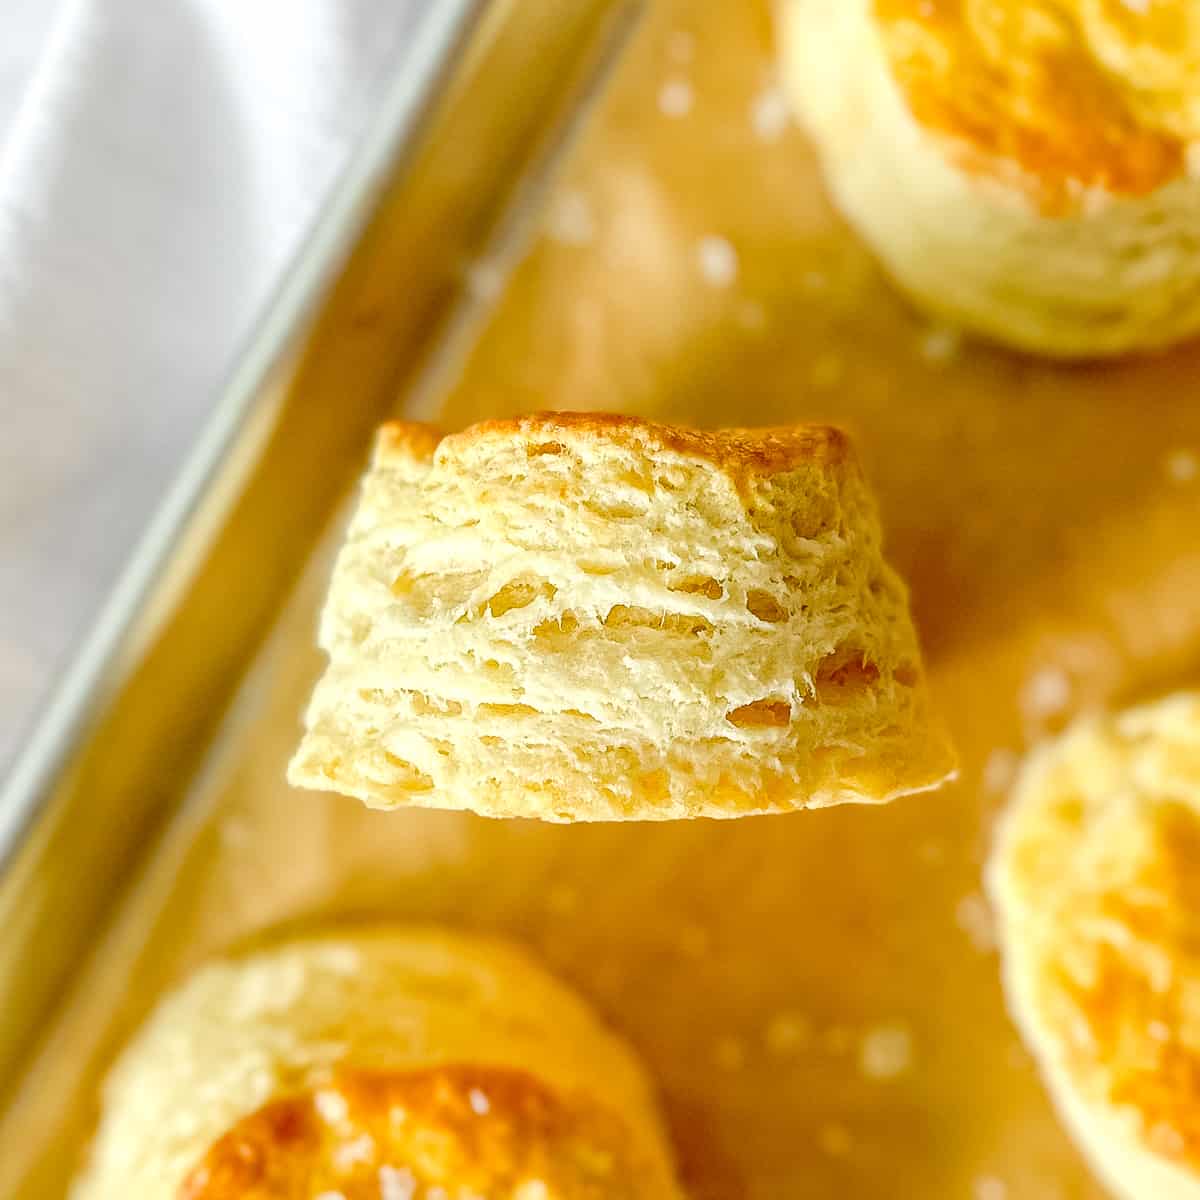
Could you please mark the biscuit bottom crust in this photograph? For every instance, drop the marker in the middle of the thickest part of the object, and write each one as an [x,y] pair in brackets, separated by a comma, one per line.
[469,1130]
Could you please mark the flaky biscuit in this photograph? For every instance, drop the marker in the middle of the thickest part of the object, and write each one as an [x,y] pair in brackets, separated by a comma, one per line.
[377,1065]
[1096,880]
[583,617]
[1020,166]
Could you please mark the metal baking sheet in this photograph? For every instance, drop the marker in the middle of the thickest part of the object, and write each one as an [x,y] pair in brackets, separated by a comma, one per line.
[817,994]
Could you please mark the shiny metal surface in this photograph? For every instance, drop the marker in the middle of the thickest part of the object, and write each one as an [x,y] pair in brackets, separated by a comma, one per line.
[436,184]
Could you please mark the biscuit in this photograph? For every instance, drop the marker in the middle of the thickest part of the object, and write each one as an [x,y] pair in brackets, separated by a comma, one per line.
[1096,881]
[583,617]
[377,1065]
[1021,167]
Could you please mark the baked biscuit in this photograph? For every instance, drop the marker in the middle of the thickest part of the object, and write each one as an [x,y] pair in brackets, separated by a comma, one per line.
[1022,167]
[1096,880]
[384,1065]
[582,617]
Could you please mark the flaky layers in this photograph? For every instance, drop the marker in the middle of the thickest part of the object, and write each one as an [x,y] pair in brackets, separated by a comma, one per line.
[1021,168]
[1096,880]
[377,1066]
[582,617]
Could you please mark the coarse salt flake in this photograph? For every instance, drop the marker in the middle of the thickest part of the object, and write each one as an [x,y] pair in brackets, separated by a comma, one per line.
[769,114]
[885,1052]
[480,1105]
[1182,466]
[988,1187]
[717,259]
[675,98]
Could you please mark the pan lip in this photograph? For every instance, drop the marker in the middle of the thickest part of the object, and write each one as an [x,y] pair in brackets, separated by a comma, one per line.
[93,673]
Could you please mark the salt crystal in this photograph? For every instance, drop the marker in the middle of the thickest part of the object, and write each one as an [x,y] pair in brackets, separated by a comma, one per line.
[675,98]
[485,280]
[835,1140]
[1137,6]
[479,1102]
[1046,693]
[532,1189]
[769,115]
[571,220]
[1182,466]
[729,1054]
[330,1196]
[717,259]
[974,918]
[940,344]
[999,771]
[1160,1031]
[885,1052]
[397,1183]
[787,1033]
[988,1187]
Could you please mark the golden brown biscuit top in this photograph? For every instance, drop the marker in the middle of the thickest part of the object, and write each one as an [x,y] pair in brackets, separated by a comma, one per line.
[1109,869]
[1075,93]
[738,452]
[447,1133]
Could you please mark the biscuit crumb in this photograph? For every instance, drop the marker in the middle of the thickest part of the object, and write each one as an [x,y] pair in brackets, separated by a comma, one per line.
[885,1052]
